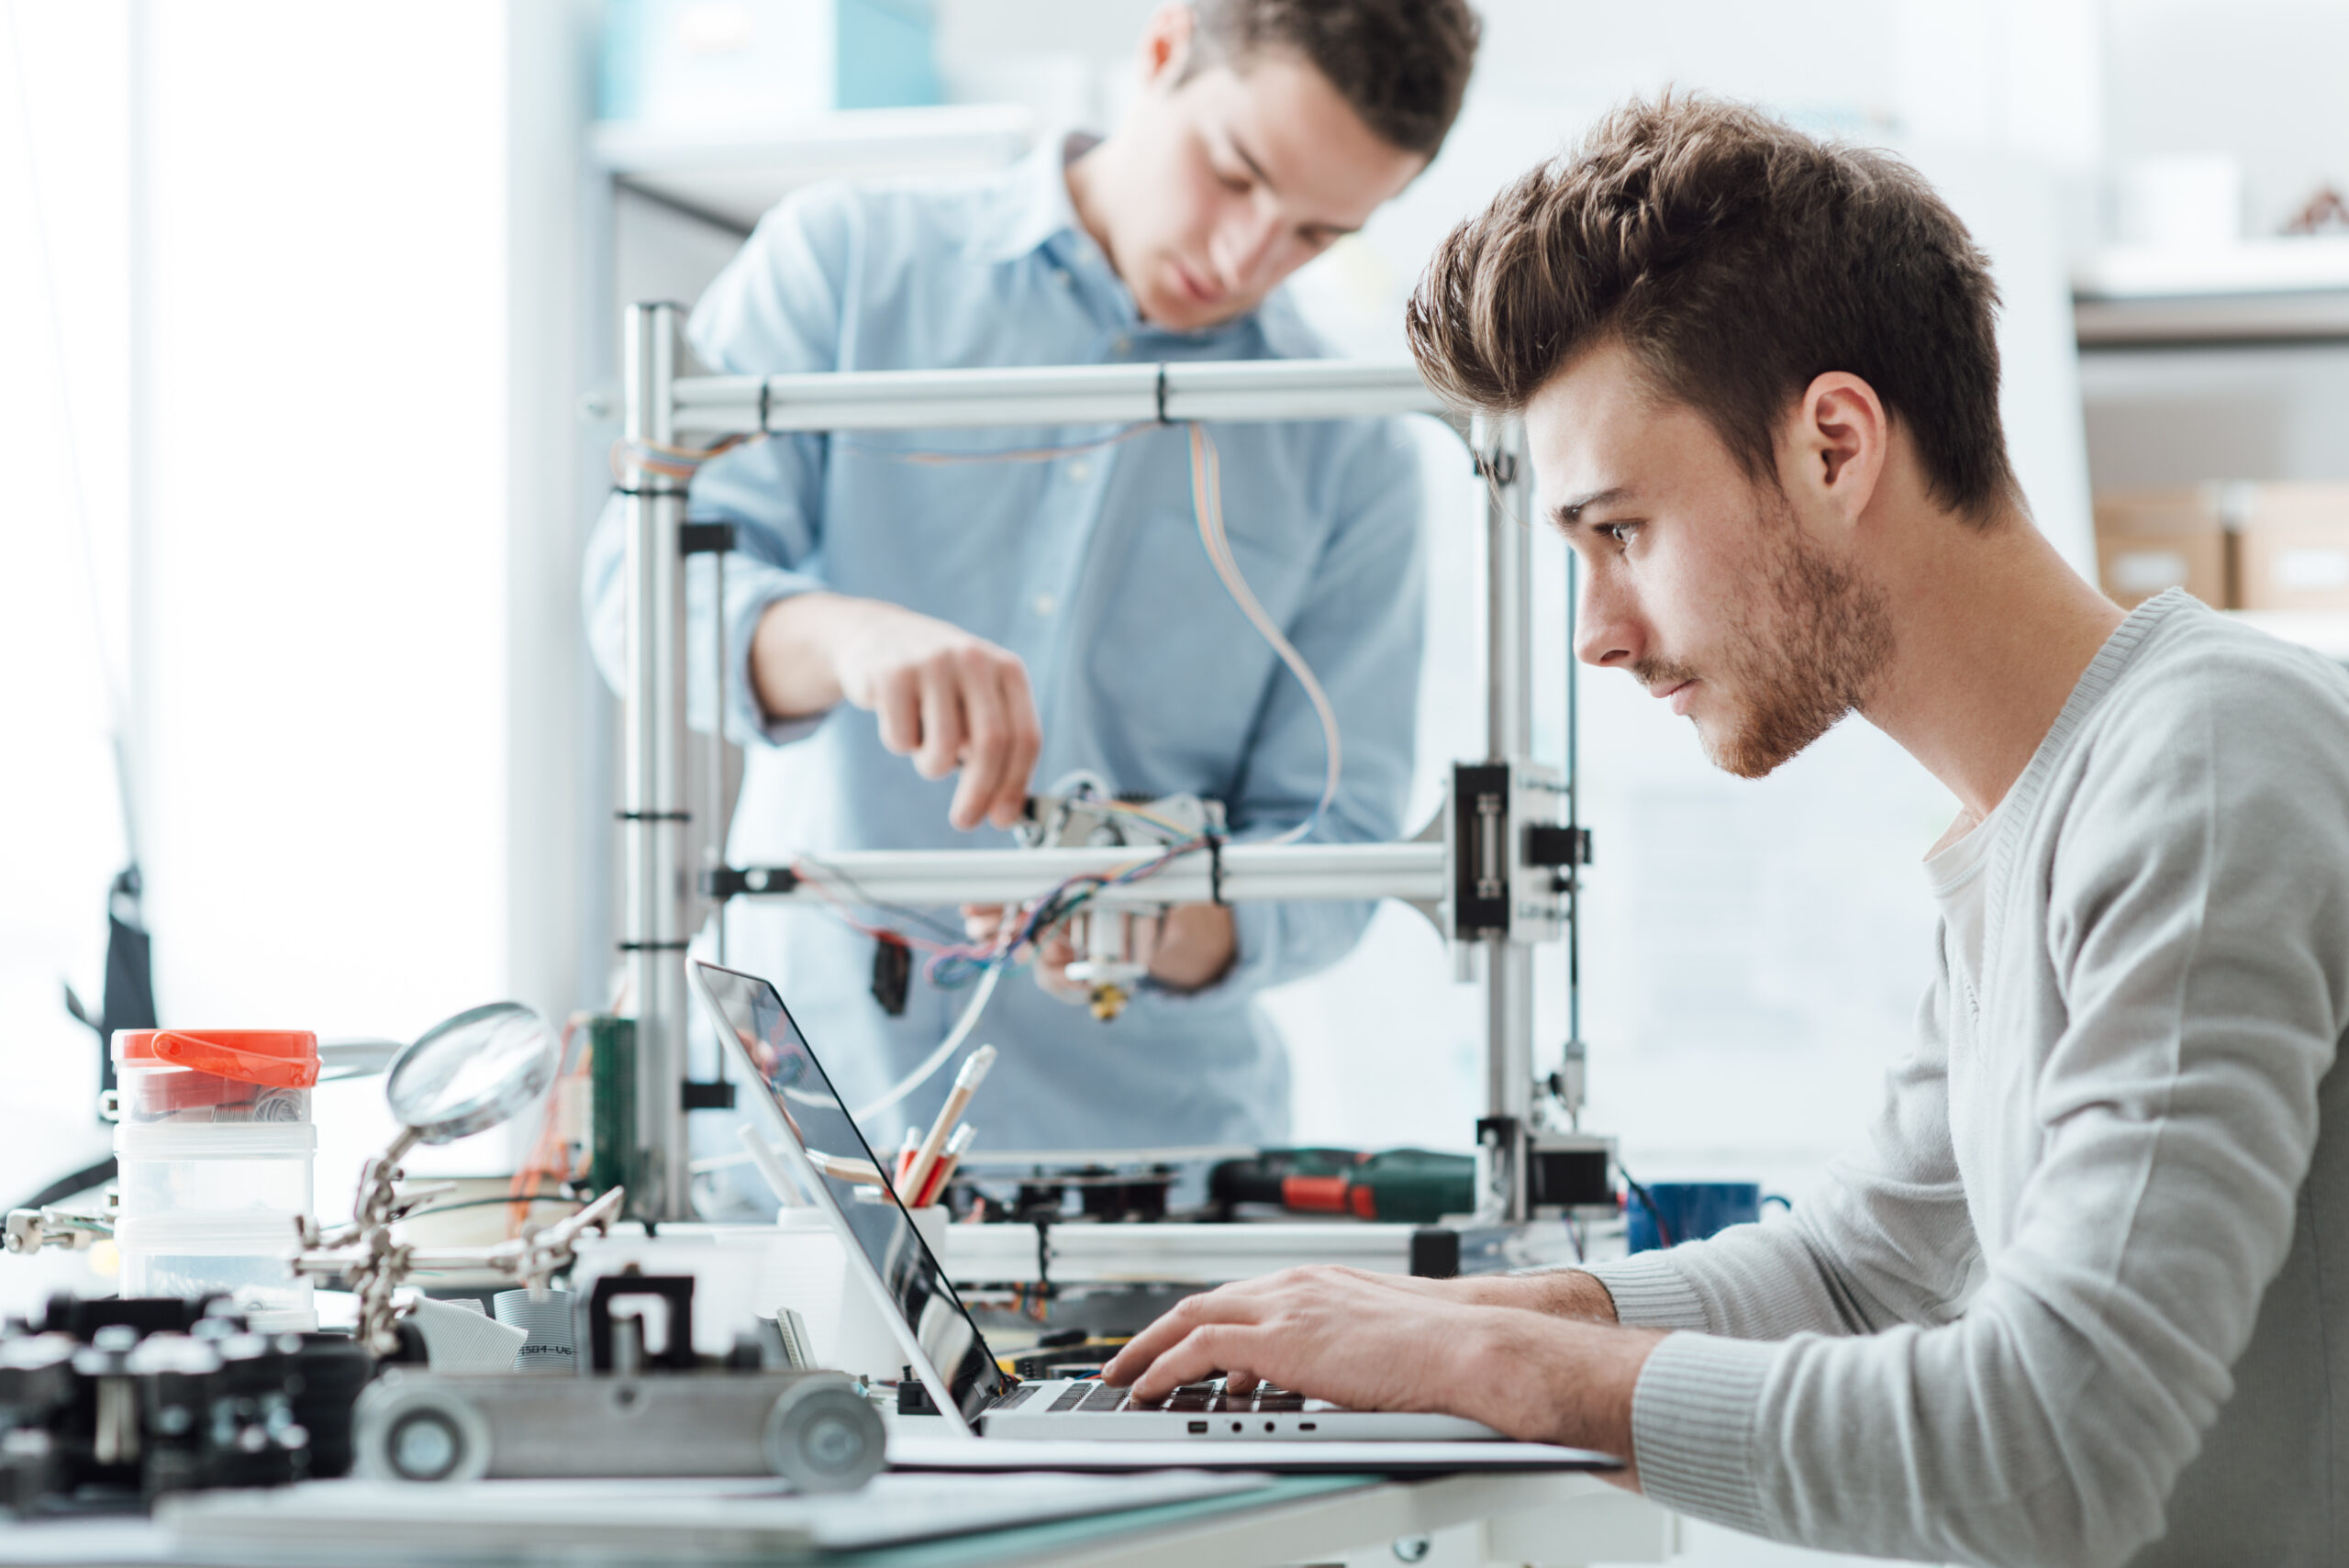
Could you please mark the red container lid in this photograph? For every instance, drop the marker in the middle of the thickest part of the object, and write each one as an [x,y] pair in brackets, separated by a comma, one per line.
[281,1059]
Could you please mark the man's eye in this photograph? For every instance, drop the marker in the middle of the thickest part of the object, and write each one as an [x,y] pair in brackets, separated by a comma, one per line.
[1622,533]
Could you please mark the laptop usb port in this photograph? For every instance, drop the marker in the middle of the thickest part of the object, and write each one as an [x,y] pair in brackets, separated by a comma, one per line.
[1196,1426]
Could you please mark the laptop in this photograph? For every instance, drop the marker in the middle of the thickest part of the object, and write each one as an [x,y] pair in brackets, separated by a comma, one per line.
[802,1112]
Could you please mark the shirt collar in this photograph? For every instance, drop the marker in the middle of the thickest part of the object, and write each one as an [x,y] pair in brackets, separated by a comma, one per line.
[1035,205]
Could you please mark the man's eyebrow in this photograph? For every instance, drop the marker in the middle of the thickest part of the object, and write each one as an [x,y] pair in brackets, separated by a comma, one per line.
[1567,513]
[1335,231]
[1255,168]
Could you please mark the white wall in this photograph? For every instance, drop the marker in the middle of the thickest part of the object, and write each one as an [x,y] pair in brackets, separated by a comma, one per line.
[360,546]
[63,227]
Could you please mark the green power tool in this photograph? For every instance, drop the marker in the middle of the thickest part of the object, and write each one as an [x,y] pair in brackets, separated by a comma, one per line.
[1412,1186]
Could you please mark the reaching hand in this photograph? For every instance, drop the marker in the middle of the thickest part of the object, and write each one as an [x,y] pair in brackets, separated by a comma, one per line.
[1187,949]
[944,697]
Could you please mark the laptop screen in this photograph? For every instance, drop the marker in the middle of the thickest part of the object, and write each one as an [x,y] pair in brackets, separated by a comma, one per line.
[767,1047]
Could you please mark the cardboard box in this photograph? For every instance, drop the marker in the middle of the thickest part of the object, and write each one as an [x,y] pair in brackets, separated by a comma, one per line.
[2150,540]
[2292,546]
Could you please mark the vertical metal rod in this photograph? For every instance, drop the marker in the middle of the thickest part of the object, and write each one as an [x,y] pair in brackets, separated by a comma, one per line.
[1508,735]
[713,855]
[654,820]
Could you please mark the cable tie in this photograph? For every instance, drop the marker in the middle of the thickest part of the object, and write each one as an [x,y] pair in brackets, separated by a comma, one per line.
[654,495]
[652,947]
[1215,867]
[1161,393]
[653,815]
[764,394]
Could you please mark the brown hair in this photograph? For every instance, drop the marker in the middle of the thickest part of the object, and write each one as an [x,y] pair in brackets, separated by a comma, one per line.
[1402,65]
[1737,259]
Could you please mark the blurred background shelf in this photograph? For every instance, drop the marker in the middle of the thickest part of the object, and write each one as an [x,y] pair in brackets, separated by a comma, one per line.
[728,178]
[2278,290]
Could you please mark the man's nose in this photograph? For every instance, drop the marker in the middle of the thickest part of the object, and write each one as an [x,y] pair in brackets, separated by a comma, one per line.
[1607,633]
[1248,242]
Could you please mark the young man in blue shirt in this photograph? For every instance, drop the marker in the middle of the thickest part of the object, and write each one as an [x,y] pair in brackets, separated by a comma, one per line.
[924,626]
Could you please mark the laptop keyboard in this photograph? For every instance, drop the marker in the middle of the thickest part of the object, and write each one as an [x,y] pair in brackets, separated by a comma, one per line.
[1191,1398]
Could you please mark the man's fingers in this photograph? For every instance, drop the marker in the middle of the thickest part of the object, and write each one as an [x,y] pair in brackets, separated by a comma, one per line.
[1230,1303]
[987,747]
[1024,740]
[1202,1352]
[982,921]
[941,723]
[897,705]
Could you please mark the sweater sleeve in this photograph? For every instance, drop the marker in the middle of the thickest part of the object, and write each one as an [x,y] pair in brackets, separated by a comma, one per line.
[1886,1239]
[2197,944]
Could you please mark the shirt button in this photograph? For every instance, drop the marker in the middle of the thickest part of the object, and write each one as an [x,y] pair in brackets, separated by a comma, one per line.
[1080,471]
[1123,345]
[1044,603]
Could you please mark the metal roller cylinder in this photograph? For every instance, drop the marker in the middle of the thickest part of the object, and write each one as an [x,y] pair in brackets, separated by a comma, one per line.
[417,1432]
[824,1436]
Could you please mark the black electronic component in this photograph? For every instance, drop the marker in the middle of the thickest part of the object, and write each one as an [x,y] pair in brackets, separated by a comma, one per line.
[113,1403]
[893,972]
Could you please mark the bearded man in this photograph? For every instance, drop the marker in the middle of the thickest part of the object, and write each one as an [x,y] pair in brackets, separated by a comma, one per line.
[2077,1298]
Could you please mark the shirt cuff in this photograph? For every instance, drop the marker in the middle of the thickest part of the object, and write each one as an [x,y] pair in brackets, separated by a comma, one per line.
[750,587]
[1650,1293]
[1693,1417]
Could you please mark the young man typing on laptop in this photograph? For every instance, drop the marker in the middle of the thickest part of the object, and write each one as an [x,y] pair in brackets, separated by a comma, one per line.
[2067,1302]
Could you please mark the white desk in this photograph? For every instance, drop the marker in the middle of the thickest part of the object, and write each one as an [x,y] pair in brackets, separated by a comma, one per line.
[1464,1521]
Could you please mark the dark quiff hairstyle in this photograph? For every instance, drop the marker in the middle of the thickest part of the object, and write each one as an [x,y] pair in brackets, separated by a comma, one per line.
[1737,259]
[1402,65]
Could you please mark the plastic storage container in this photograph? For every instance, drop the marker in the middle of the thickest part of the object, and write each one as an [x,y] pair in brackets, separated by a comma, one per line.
[216,1152]
[242,1255]
[223,1168]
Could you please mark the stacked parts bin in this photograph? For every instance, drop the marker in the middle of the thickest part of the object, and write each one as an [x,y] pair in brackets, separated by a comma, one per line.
[217,1150]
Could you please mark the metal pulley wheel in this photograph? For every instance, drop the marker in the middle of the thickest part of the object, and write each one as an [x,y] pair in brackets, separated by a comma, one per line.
[419,1432]
[823,1435]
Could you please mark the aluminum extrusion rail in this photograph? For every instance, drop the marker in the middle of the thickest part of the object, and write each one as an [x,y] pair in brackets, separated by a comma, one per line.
[1173,393]
[1238,873]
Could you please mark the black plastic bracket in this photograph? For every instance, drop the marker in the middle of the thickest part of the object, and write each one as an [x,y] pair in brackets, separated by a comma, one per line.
[676,1290]
[1547,845]
[1435,1253]
[718,1095]
[1480,888]
[704,539]
[735,882]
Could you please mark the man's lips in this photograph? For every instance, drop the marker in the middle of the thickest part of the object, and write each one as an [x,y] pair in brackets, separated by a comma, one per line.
[1678,694]
[1199,292]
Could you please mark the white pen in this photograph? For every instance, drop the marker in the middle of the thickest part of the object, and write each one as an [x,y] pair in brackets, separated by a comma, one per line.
[974,1072]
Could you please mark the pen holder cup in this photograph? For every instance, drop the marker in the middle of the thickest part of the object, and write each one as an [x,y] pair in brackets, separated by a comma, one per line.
[847,1322]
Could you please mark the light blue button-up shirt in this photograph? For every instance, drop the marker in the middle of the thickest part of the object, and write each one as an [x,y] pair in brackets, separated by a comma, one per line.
[1088,566]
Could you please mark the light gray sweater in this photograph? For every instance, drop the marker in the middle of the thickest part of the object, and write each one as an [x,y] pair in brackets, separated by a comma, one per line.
[2083,1295]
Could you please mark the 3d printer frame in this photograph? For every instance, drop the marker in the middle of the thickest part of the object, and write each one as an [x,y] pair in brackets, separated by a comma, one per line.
[1502,874]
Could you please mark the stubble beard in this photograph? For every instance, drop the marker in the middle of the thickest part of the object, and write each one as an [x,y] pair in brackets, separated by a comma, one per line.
[1801,654]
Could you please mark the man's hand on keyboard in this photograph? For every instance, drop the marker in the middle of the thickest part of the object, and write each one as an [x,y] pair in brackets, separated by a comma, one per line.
[1372,1342]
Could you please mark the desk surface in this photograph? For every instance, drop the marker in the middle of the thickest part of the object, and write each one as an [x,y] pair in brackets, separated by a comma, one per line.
[1276,1520]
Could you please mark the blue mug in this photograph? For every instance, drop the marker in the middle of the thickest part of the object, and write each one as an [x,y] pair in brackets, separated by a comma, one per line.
[1669,1213]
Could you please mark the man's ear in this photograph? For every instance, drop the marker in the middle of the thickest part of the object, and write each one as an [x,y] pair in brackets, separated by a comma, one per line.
[1841,441]
[1167,40]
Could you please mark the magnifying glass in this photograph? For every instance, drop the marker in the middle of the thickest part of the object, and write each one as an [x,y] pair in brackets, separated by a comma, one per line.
[471,1073]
